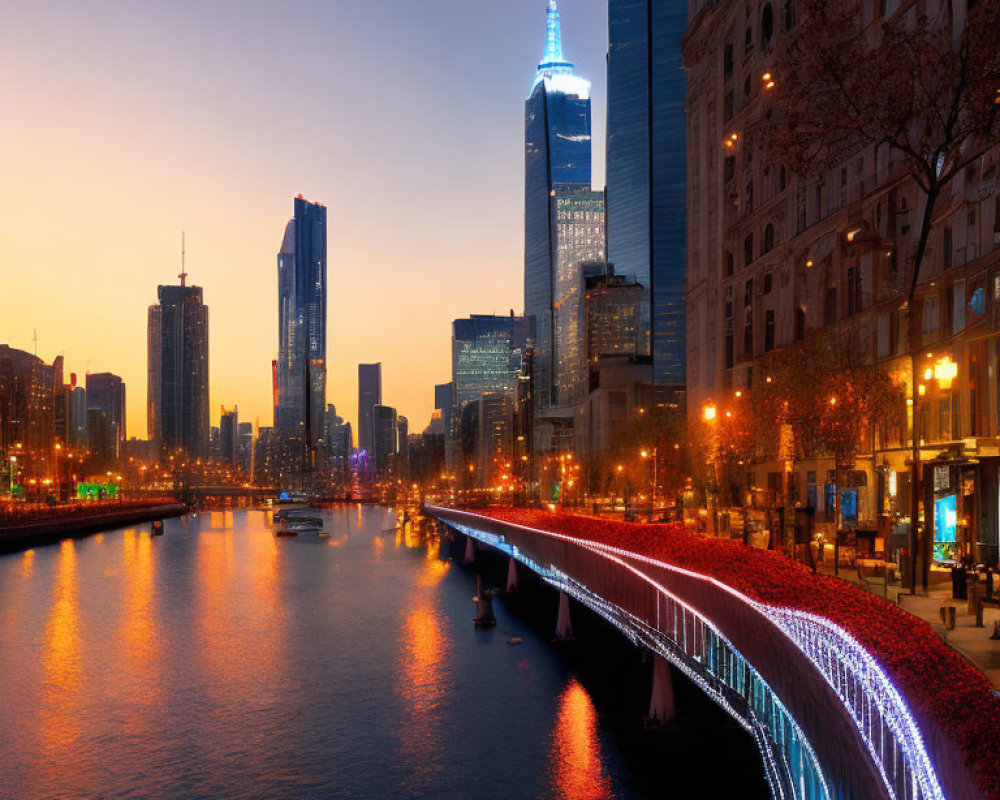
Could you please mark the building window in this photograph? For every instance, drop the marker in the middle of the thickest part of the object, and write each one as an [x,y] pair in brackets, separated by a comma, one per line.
[768,245]
[748,249]
[747,86]
[769,331]
[782,178]
[768,282]
[789,14]
[728,260]
[947,246]
[727,62]
[749,208]
[800,324]
[853,290]
[727,106]
[748,39]
[728,168]
[767,23]
[830,306]
[931,319]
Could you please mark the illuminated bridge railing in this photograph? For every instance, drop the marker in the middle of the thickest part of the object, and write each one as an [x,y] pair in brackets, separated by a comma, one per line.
[882,717]
[699,650]
[889,736]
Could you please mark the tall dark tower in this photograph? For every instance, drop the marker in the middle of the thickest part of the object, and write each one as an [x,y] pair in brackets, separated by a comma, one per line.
[647,172]
[556,162]
[301,365]
[369,396]
[177,396]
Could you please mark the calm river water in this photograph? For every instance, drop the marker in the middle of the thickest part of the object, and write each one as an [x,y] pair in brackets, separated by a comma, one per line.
[219,662]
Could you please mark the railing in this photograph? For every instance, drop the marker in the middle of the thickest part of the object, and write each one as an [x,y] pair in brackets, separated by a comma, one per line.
[884,724]
[698,649]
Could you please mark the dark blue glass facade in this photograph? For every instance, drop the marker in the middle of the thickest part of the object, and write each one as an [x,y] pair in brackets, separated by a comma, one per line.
[556,156]
[646,170]
[301,366]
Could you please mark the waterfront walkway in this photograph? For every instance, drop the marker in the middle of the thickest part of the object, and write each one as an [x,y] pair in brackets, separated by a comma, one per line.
[25,526]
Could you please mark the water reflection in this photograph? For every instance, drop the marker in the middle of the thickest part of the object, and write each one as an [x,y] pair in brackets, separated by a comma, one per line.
[423,677]
[59,728]
[27,564]
[137,635]
[576,767]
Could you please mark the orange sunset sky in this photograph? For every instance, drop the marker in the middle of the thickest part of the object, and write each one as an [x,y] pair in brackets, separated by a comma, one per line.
[126,123]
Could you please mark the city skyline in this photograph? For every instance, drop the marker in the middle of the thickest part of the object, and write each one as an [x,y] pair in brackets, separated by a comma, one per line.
[147,179]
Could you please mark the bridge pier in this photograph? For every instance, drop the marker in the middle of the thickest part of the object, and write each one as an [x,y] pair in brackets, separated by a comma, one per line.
[564,626]
[484,605]
[470,550]
[662,704]
[512,575]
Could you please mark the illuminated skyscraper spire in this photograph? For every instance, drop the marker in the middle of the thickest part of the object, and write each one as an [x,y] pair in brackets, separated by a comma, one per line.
[553,61]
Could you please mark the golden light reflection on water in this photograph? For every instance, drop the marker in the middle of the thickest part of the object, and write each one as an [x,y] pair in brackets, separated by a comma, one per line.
[423,676]
[576,769]
[58,728]
[137,635]
[27,564]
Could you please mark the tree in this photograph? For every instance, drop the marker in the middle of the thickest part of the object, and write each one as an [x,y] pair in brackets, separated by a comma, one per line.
[927,89]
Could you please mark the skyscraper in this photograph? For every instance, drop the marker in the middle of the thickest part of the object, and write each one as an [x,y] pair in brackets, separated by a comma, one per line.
[385,434]
[646,171]
[486,353]
[229,434]
[177,369]
[106,393]
[369,396]
[556,161]
[301,365]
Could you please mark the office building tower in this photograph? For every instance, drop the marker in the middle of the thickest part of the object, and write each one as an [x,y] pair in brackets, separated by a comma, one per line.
[556,160]
[300,372]
[228,434]
[385,437]
[403,445]
[177,396]
[646,171]
[369,396]
[578,236]
[106,392]
[78,416]
[614,318]
[444,401]
[486,352]
[244,446]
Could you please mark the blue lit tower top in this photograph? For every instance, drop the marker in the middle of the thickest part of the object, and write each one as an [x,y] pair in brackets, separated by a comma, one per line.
[553,60]
[556,160]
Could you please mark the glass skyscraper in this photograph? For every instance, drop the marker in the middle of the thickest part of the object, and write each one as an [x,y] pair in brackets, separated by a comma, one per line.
[177,367]
[369,396]
[556,160]
[578,239]
[301,365]
[646,170]
[486,353]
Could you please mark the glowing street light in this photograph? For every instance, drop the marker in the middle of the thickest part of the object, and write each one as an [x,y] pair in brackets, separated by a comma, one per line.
[710,412]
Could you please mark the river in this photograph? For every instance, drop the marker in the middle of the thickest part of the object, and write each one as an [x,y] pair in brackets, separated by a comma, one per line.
[217,661]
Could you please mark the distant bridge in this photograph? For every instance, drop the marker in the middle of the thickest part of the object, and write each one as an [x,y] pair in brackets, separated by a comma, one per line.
[829,723]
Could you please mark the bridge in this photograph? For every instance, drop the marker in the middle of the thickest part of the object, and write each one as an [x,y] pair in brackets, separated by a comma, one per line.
[828,720]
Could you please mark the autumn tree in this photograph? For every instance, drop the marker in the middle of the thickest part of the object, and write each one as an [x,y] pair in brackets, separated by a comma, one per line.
[926,89]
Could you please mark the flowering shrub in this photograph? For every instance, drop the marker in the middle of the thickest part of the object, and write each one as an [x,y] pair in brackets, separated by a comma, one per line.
[932,676]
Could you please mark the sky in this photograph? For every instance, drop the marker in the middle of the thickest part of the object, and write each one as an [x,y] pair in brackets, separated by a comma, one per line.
[126,123]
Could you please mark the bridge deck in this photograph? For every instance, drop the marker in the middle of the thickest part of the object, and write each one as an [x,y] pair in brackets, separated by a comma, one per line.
[858,649]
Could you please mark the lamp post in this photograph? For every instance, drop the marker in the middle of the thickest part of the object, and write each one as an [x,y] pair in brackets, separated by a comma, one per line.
[652,495]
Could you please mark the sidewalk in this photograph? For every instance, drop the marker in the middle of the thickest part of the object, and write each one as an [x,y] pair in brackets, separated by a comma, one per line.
[972,642]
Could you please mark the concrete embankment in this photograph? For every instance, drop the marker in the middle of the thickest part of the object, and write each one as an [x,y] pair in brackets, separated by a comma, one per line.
[29,534]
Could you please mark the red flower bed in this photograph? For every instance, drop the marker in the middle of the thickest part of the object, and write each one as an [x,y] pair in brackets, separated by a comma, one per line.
[932,676]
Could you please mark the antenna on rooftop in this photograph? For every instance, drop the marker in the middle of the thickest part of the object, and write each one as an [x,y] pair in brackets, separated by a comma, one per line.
[34,338]
[183,275]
